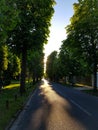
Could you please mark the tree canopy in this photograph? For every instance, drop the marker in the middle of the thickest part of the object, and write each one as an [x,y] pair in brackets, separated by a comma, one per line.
[79,51]
[51,65]
[83,32]
[24,27]
[32,30]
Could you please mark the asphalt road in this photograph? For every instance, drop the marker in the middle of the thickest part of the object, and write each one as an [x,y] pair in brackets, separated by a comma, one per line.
[55,107]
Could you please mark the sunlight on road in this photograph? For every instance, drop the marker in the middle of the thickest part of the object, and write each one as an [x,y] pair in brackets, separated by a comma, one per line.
[54,111]
[49,94]
[45,81]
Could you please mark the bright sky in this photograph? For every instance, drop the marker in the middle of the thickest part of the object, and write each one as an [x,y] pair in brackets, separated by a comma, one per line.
[60,19]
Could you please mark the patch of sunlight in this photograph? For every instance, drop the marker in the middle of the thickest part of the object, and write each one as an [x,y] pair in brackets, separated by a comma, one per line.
[11,86]
[46,82]
[78,84]
[81,85]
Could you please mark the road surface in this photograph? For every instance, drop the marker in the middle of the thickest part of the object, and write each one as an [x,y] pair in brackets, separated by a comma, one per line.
[55,107]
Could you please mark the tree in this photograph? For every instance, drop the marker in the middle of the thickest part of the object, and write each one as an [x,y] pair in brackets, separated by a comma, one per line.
[36,64]
[70,65]
[12,70]
[32,30]
[14,65]
[83,31]
[51,65]
[8,18]
[3,59]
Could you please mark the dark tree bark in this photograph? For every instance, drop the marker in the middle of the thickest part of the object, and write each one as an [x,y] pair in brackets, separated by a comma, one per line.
[23,70]
[95,69]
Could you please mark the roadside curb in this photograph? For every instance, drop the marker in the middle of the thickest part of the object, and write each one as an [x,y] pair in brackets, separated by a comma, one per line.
[13,119]
[83,88]
[18,112]
[23,108]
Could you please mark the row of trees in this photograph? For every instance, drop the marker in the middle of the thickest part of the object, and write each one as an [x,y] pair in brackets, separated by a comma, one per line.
[24,28]
[79,51]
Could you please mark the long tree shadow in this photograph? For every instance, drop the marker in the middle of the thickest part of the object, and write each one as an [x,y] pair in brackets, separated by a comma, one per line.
[35,114]
[75,111]
[50,108]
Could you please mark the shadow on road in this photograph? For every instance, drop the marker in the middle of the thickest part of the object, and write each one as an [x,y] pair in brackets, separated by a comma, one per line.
[51,108]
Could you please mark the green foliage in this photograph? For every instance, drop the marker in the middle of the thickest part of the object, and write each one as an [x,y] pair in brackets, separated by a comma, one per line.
[31,31]
[51,69]
[83,35]
[14,66]
[83,29]
[69,63]
[12,69]
[3,58]
[33,28]
[8,18]
[36,64]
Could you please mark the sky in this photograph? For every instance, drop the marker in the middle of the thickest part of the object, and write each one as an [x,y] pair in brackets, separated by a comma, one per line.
[61,18]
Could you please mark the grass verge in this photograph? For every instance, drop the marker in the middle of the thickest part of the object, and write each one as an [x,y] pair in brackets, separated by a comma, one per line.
[11,102]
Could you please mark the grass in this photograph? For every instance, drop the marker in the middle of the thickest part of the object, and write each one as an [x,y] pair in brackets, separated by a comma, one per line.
[11,94]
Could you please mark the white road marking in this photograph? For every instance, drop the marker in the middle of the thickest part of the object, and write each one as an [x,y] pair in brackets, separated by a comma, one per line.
[81,108]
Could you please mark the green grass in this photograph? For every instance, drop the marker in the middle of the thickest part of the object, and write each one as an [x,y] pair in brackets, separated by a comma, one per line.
[8,94]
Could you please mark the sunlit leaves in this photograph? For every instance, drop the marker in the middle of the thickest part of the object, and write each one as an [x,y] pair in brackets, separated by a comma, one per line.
[14,66]
[3,58]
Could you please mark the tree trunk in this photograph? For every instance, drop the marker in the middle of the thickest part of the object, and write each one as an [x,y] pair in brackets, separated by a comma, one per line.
[95,71]
[23,71]
[94,56]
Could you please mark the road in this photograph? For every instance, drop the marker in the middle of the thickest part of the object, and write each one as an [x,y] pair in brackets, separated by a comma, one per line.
[55,107]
